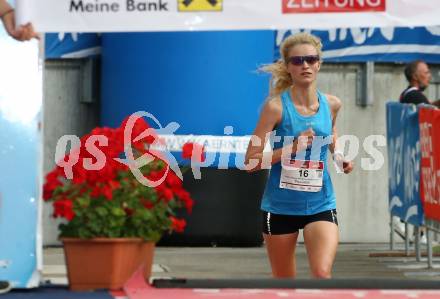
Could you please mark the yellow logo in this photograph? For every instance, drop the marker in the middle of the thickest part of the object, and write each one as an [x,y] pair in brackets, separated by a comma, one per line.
[200,5]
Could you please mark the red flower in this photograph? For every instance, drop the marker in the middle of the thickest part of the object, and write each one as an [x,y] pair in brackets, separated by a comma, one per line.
[147,203]
[173,181]
[193,151]
[52,182]
[104,189]
[96,191]
[49,187]
[128,211]
[140,127]
[64,208]
[156,175]
[79,174]
[114,184]
[164,193]
[185,197]
[107,191]
[178,225]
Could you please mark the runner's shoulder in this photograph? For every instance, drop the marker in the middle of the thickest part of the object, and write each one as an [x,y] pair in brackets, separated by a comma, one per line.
[274,107]
[334,102]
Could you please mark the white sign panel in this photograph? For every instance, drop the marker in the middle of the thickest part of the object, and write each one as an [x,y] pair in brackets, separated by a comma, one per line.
[187,15]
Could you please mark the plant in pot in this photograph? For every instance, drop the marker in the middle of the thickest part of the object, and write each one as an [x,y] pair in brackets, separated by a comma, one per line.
[112,217]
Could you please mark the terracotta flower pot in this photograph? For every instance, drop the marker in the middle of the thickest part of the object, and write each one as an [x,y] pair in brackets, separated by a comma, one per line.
[105,263]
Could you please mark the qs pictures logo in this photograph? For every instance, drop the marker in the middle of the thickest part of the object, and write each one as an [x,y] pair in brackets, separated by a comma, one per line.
[200,5]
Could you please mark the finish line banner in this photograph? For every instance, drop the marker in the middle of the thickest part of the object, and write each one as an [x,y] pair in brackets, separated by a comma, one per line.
[189,15]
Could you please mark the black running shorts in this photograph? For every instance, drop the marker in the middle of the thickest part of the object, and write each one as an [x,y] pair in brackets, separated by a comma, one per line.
[276,224]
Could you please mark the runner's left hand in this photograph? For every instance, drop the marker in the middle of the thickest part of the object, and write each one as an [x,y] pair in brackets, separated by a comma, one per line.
[343,164]
[347,166]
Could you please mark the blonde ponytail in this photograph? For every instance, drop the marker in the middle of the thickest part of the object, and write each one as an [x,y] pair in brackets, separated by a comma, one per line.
[280,79]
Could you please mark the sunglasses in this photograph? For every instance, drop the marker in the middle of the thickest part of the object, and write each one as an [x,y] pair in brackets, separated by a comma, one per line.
[299,60]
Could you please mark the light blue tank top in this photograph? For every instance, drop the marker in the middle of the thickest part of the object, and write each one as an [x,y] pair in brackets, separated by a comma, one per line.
[291,202]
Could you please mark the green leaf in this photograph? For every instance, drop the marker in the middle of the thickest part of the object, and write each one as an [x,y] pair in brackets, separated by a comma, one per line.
[116,211]
[101,211]
[84,202]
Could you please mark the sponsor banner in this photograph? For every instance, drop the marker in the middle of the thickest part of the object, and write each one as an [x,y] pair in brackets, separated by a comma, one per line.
[389,44]
[404,162]
[300,6]
[216,144]
[430,161]
[20,162]
[200,5]
[221,151]
[189,15]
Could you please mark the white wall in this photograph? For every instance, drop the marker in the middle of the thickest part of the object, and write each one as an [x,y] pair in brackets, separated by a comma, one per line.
[63,114]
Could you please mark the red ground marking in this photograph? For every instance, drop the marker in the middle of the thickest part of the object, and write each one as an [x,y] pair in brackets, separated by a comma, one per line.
[137,288]
[118,294]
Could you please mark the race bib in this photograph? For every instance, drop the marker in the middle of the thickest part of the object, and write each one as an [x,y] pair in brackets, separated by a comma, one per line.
[301,175]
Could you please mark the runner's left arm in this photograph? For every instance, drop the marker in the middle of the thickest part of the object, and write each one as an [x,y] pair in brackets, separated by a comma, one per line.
[335,105]
[338,155]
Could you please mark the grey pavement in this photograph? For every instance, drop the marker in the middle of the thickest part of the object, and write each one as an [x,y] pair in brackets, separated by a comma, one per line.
[352,261]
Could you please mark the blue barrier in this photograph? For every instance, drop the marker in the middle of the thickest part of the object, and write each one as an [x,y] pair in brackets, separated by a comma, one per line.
[403,138]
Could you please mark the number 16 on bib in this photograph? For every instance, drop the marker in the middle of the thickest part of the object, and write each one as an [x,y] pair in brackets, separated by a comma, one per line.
[301,175]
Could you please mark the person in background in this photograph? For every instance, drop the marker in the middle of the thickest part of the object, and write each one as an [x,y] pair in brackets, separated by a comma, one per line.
[7,15]
[22,33]
[418,75]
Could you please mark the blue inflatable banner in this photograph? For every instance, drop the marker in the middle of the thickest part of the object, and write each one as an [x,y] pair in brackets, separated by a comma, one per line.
[72,45]
[389,44]
[403,140]
[211,88]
